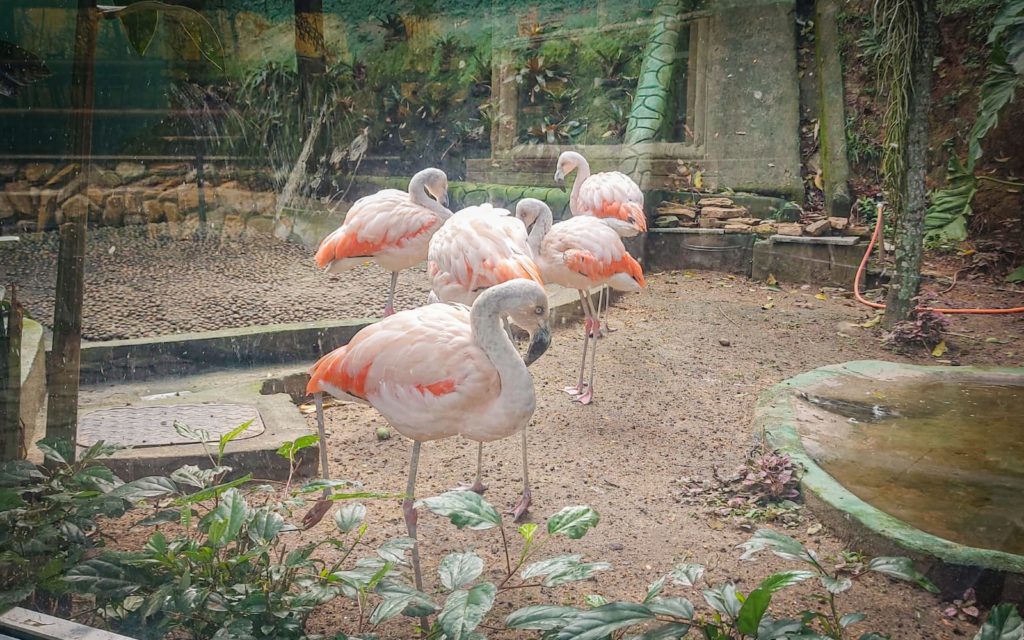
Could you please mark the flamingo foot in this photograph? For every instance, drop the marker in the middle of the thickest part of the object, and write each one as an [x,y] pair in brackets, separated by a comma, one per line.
[521,507]
[316,513]
[477,487]
[574,390]
[606,329]
[585,397]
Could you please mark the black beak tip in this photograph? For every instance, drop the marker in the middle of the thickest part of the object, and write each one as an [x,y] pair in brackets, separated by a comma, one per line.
[538,345]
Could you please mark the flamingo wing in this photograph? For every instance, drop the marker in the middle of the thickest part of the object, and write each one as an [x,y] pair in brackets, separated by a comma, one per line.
[614,195]
[386,226]
[419,368]
[583,252]
[477,248]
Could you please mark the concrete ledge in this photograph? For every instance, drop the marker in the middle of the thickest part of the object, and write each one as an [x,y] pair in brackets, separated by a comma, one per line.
[807,260]
[710,249]
[953,567]
[32,625]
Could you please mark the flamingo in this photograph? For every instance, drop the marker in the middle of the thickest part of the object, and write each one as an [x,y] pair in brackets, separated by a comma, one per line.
[391,227]
[610,195]
[477,248]
[443,370]
[580,253]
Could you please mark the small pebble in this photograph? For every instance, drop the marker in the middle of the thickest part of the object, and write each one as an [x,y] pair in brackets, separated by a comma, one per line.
[724,342]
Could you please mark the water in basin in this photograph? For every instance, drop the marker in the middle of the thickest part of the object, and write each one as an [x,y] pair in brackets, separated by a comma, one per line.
[946,457]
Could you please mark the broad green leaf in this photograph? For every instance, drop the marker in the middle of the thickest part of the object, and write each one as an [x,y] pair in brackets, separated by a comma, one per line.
[349,516]
[902,569]
[10,499]
[675,607]
[193,476]
[187,432]
[670,631]
[723,599]
[541,617]
[418,604]
[264,526]
[55,449]
[1003,623]
[319,484]
[1000,86]
[573,522]
[654,589]
[784,629]
[596,624]
[464,509]
[98,478]
[103,575]
[393,550]
[99,449]
[148,487]
[231,435]
[225,522]
[212,492]
[546,566]
[161,517]
[780,544]
[458,569]
[290,448]
[779,581]
[836,585]
[686,575]
[464,610]
[752,610]
[190,22]
[851,618]
[389,608]
[17,472]
[574,574]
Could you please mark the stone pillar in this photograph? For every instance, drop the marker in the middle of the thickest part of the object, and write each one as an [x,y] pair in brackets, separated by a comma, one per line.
[835,167]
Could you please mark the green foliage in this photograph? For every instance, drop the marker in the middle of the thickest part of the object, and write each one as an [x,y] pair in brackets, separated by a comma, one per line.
[734,616]
[48,519]
[140,21]
[1003,623]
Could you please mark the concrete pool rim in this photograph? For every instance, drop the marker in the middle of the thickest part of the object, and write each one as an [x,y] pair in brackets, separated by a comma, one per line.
[775,421]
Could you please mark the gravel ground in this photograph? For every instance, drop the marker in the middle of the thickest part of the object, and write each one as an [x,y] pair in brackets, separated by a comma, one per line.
[672,405]
[140,282]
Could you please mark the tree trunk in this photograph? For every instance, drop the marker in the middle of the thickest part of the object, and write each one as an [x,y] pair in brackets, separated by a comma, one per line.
[63,372]
[903,289]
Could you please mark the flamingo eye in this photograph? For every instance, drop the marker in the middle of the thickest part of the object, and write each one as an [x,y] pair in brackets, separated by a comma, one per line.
[540,310]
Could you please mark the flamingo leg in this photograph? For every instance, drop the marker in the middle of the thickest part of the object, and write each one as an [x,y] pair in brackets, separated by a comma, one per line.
[389,308]
[584,303]
[322,505]
[409,511]
[478,485]
[523,505]
[604,300]
[588,395]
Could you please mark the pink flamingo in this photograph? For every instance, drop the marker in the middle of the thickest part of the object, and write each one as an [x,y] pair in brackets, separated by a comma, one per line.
[477,248]
[610,195]
[391,227]
[580,253]
[443,370]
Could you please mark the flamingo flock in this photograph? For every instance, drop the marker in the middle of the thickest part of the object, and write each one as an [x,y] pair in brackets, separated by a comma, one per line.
[451,367]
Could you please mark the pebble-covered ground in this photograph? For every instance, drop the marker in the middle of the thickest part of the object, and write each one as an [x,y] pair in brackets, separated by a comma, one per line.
[140,282]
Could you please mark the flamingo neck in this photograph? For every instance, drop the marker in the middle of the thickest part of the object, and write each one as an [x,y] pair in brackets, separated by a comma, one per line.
[517,394]
[540,229]
[582,173]
[418,195]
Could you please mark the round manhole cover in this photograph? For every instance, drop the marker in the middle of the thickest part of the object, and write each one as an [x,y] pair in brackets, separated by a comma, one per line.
[154,426]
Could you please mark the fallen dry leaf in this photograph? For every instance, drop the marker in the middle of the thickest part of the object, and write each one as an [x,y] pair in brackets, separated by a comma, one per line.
[821,296]
[940,349]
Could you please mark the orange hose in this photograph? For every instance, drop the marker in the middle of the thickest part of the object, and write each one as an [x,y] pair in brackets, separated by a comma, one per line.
[875,305]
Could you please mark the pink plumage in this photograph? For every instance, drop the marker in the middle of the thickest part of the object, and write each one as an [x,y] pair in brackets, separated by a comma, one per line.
[610,195]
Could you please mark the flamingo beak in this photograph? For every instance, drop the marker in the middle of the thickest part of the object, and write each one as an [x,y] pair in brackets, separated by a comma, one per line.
[444,200]
[560,180]
[539,343]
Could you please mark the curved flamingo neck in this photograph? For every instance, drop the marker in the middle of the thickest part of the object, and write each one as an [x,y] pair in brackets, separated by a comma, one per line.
[540,229]
[582,173]
[418,195]
[517,394]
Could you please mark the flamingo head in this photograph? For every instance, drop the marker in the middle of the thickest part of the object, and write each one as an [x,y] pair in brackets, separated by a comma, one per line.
[567,163]
[530,311]
[529,210]
[436,184]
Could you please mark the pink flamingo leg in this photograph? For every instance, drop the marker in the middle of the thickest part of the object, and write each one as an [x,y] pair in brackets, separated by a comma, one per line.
[478,485]
[523,505]
[409,511]
[323,505]
[587,324]
[389,308]
[588,395]
[604,301]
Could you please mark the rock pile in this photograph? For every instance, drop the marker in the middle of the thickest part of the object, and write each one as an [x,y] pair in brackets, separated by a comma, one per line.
[723,213]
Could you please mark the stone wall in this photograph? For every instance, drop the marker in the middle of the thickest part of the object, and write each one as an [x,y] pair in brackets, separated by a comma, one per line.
[40,196]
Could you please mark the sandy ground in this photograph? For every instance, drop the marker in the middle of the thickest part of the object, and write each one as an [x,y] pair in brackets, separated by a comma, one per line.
[671,404]
[141,282]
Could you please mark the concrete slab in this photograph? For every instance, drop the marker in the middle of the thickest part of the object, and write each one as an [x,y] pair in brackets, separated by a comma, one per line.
[800,262]
[837,240]
[710,249]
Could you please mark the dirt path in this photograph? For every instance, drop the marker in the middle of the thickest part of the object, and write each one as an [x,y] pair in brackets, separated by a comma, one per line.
[671,403]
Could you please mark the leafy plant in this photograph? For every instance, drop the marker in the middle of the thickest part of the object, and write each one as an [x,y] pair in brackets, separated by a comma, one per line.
[769,477]
[964,607]
[535,75]
[1003,623]
[550,131]
[48,519]
[734,615]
